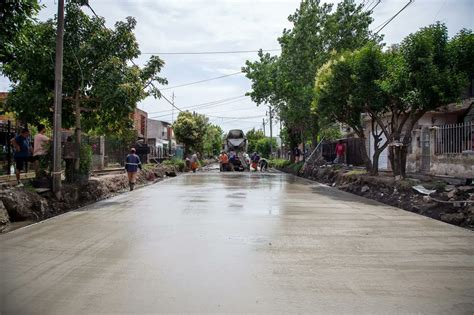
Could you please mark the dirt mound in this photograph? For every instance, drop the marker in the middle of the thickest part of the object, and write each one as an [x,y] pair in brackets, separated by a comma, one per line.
[447,203]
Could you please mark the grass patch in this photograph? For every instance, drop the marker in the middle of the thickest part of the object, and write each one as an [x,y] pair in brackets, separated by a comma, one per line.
[356,172]
[279,163]
[296,167]
[179,164]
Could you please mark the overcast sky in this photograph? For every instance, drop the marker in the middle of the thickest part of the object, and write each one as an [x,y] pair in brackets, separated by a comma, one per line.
[230,25]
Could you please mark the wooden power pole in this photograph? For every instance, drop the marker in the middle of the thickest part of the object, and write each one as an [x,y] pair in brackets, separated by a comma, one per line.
[58,87]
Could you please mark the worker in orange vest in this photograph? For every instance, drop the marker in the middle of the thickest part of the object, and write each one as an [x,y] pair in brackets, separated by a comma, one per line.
[223,161]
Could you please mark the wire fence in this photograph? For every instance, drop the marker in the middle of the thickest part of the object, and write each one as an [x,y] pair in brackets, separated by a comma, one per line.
[454,138]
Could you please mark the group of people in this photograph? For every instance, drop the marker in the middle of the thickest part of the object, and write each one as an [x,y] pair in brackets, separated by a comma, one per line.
[25,152]
[226,162]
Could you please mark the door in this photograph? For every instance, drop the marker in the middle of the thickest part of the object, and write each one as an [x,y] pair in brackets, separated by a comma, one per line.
[425,151]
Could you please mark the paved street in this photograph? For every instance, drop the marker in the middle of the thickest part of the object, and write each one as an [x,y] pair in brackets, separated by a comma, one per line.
[225,243]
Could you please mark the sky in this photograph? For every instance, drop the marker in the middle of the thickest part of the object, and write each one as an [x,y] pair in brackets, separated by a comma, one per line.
[235,25]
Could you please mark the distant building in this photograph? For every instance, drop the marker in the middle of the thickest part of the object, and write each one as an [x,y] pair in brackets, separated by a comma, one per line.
[140,120]
[160,138]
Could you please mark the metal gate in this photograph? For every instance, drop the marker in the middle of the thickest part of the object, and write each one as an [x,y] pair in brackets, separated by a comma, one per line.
[7,132]
[425,151]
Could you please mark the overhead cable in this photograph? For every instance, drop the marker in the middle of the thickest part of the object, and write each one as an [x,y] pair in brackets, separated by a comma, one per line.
[209,52]
[201,81]
[384,24]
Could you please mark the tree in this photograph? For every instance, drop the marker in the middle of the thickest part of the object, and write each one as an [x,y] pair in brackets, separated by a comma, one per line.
[212,140]
[333,90]
[263,146]
[15,17]
[98,82]
[252,138]
[348,87]
[100,88]
[287,82]
[426,72]
[190,129]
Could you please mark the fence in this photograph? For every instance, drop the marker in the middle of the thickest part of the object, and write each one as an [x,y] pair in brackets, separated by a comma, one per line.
[354,151]
[7,132]
[454,139]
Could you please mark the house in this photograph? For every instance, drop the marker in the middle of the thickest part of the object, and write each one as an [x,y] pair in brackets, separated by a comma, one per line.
[140,118]
[160,139]
[442,142]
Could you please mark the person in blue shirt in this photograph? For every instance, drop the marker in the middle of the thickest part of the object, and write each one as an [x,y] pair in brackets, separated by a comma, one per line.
[22,155]
[132,164]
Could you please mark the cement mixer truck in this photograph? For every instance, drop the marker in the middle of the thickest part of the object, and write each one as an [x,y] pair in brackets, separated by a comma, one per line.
[235,144]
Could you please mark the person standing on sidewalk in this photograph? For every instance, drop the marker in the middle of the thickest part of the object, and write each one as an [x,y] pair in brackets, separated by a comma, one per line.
[132,164]
[22,155]
[39,147]
[340,152]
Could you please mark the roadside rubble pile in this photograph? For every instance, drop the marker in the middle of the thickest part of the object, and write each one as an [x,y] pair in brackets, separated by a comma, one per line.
[437,199]
[24,204]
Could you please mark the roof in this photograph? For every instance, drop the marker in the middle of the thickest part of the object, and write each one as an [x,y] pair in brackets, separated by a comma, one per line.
[459,108]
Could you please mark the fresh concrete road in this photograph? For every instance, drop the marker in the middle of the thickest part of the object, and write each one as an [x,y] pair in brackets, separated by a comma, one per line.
[238,243]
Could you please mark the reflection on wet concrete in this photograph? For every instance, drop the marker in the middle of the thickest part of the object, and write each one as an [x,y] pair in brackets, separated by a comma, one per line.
[237,242]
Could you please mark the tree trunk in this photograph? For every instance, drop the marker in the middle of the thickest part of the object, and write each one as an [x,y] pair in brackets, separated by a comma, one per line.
[375,163]
[366,158]
[78,136]
[400,157]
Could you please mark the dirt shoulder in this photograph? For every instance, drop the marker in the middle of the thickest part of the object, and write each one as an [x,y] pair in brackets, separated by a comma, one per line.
[449,203]
[21,206]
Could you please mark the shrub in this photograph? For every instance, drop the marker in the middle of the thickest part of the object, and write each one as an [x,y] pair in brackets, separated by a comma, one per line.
[179,164]
[279,163]
[296,167]
[85,165]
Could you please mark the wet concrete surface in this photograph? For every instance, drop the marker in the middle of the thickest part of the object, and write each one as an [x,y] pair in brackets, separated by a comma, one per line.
[237,243]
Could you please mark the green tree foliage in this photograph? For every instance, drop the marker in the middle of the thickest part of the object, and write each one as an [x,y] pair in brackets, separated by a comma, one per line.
[252,138]
[287,82]
[394,88]
[263,146]
[212,140]
[431,77]
[190,129]
[100,87]
[15,18]
[346,87]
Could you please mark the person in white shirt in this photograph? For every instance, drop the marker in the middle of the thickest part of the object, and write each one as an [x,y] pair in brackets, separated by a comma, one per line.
[39,147]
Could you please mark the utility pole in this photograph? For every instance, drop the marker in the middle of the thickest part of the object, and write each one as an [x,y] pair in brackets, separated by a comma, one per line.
[170,131]
[271,131]
[172,108]
[58,87]
[281,141]
[263,123]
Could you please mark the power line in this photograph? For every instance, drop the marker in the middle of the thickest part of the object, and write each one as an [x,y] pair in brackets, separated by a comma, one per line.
[206,80]
[383,25]
[376,4]
[203,105]
[209,52]
[168,112]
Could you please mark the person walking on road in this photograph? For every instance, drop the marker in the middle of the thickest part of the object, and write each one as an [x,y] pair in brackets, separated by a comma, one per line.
[340,152]
[132,164]
[22,155]
[39,147]
[194,162]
